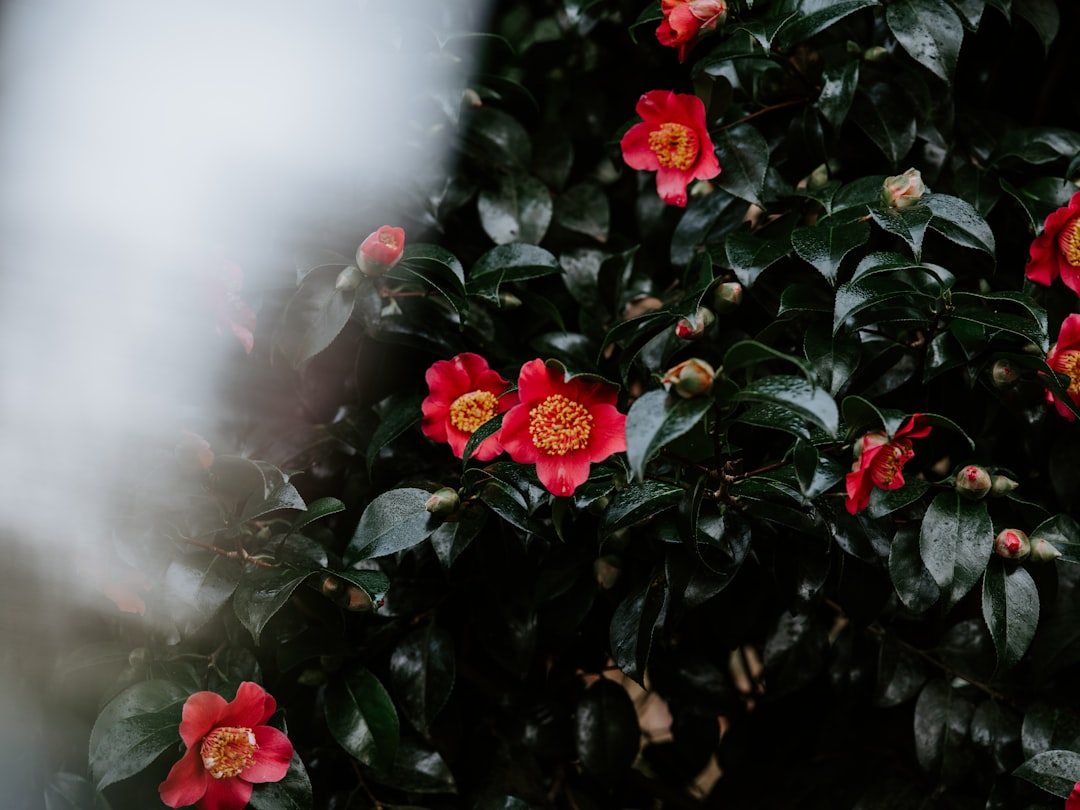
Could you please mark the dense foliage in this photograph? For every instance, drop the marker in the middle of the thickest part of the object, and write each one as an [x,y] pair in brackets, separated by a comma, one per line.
[597,477]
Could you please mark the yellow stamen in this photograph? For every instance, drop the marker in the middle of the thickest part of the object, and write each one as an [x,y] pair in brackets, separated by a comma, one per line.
[1068,362]
[675,145]
[1068,240]
[226,751]
[890,461]
[471,410]
[387,238]
[559,426]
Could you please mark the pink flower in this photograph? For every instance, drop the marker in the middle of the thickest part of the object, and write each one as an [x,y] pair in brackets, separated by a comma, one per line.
[380,251]
[687,20]
[1056,251]
[903,190]
[672,141]
[465,393]
[1064,358]
[221,290]
[879,462]
[229,748]
[562,426]
[1073,802]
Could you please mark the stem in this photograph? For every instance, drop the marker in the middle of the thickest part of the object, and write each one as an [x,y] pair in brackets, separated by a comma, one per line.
[240,554]
[764,110]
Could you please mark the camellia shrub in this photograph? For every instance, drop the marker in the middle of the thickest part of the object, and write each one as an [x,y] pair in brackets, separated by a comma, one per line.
[703,435]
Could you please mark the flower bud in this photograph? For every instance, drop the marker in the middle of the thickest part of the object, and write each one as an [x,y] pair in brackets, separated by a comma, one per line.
[508,301]
[702,188]
[818,178]
[727,296]
[877,53]
[691,378]
[331,586]
[193,451]
[1003,374]
[973,482]
[607,571]
[694,327]
[1001,486]
[356,599]
[1042,550]
[471,97]
[380,251]
[349,278]
[1012,544]
[853,48]
[444,501]
[903,190]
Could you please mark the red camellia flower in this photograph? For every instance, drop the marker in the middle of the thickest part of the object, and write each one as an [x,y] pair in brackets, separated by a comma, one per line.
[686,20]
[229,748]
[1056,251]
[562,426]
[1073,802]
[1064,358]
[465,393]
[880,462]
[380,251]
[672,141]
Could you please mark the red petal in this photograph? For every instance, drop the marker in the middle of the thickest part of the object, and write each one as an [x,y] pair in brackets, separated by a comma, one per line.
[273,757]
[608,433]
[447,380]
[636,150]
[916,427]
[186,782]
[202,711]
[671,186]
[473,365]
[859,486]
[251,707]
[1073,802]
[226,794]
[536,383]
[1070,275]
[514,436]
[653,106]
[1069,335]
[1042,266]
[563,474]
[708,165]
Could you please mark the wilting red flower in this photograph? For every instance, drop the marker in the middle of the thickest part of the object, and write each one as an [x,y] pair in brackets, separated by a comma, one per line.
[687,20]
[1073,802]
[380,251]
[672,141]
[880,462]
[1064,358]
[465,393]
[562,426]
[229,748]
[221,289]
[1056,251]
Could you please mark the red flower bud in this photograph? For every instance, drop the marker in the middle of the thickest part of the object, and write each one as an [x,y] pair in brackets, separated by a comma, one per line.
[1003,374]
[694,327]
[380,251]
[444,501]
[903,190]
[691,378]
[1002,486]
[1042,550]
[728,296]
[1012,544]
[973,482]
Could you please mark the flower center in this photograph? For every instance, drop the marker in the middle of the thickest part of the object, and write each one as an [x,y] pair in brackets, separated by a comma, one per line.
[1068,362]
[387,238]
[1069,241]
[226,751]
[471,410]
[890,461]
[675,145]
[559,426]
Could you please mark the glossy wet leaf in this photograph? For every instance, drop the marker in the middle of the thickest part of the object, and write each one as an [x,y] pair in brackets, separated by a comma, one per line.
[957,220]
[634,624]
[131,744]
[637,502]
[1056,772]
[744,157]
[956,542]
[907,223]
[394,521]
[838,83]
[584,209]
[262,592]
[942,719]
[518,209]
[657,418]
[1010,606]
[750,256]
[804,399]
[885,116]
[362,718]
[400,414]
[930,31]
[422,672]
[314,316]
[825,246]
[293,792]
[605,731]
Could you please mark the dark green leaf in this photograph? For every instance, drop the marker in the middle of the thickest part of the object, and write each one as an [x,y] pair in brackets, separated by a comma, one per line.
[373,583]
[1043,16]
[804,399]
[1063,533]
[750,353]
[637,502]
[957,220]
[655,419]
[859,302]
[262,592]
[744,157]
[834,360]
[508,263]
[361,717]
[420,769]
[68,791]
[900,674]
[633,625]
[1056,772]
[794,651]
[293,792]
[749,256]
[144,697]
[197,586]
[399,415]
[606,731]
[1047,727]
[518,209]
[495,139]
[913,583]
[815,17]
[1010,605]
[650,15]
[133,743]
[826,246]
[314,316]
[838,83]
[956,541]
[942,718]
[907,223]
[584,209]
[317,510]
[422,671]
[394,521]
[885,116]
[451,539]
[886,501]
[930,31]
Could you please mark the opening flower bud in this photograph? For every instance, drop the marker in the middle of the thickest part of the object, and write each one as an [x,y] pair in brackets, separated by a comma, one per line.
[349,278]
[472,98]
[1001,486]
[380,251]
[1042,550]
[877,53]
[331,586]
[691,378]
[728,296]
[694,327]
[607,571]
[973,482]
[1003,374]
[1012,544]
[818,177]
[508,301]
[903,190]
[193,451]
[444,501]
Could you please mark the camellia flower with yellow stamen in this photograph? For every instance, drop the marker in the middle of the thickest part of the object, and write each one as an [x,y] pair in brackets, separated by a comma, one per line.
[1056,251]
[879,462]
[672,141]
[229,748]
[1064,358]
[562,426]
[465,393]
[686,21]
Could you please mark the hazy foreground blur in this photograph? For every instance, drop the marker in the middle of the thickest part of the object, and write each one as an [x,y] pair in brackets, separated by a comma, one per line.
[138,139]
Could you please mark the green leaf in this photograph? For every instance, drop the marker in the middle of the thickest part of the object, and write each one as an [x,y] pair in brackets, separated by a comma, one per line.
[373,583]
[1005,322]
[196,587]
[834,361]
[1010,606]
[1056,772]
[420,769]
[495,139]
[392,522]
[749,256]
[838,82]
[635,621]
[518,209]
[1063,533]
[637,502]
[655,419]
[1037,146]
[422,671]
[315,258]
[317,510]
[825,246]
[815,17]
[584,209]
[744,158]
[144,697]
[361,717]
[435,269]
[885,116]
[509,263]
[907,223]
[314,316]
[912,582]
[775,417]
[262,592]
[1035,320]
[804,399]
[750,353]
[930,31]
[400,414]
[132,744]
[451,539]
[956,541]
[650,15]
[900,674]
[1043,16]
[957,220]
[882,262]
[606,733]
[886,501]
[293,792]
[942,719]
[69,791]
[858,302]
